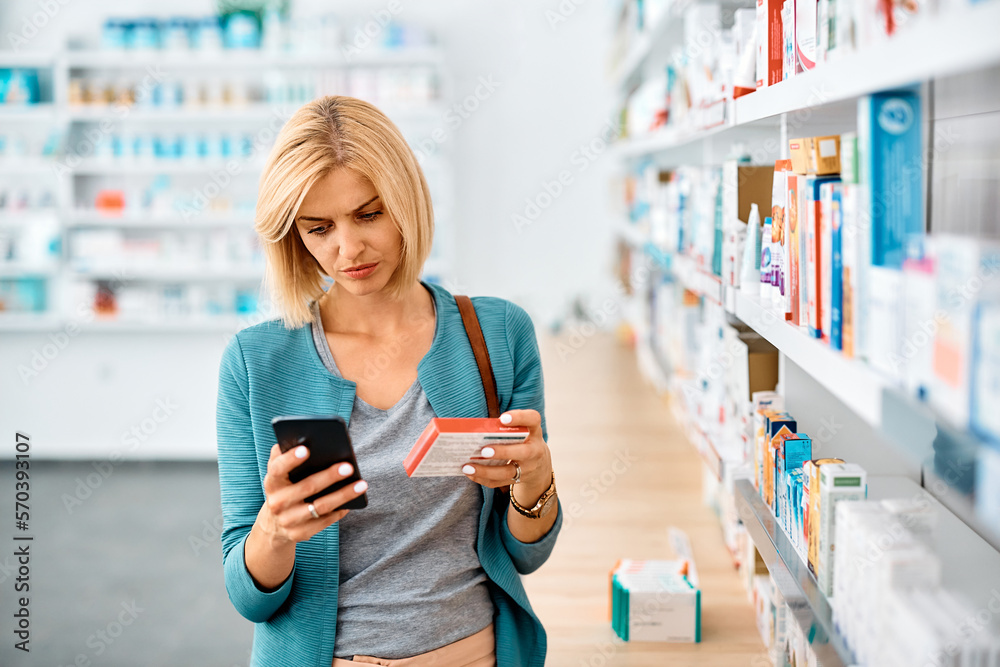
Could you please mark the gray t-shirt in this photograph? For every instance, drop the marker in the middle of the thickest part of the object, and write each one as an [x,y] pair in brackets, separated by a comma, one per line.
[410,577]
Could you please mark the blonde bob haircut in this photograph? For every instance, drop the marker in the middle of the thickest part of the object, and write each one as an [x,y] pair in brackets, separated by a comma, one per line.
[329,133]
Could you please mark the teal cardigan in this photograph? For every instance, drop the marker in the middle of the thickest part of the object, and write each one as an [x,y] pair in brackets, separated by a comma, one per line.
[268,370]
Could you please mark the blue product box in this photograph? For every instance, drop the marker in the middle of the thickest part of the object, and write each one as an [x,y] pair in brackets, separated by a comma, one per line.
[836,270]
[891,169]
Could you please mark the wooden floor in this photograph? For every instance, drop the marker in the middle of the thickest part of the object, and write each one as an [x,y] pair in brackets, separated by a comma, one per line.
[600,410]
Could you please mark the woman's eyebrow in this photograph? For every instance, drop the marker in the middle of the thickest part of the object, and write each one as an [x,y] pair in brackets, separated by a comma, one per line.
[307,218]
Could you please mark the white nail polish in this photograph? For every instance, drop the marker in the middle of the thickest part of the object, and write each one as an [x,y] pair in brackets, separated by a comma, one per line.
[301,452]
[487,452]
[344,469]
[361,486]
[505,418]
[468,470]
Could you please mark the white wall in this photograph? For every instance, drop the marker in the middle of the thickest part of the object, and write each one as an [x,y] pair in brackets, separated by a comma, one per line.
[551,99]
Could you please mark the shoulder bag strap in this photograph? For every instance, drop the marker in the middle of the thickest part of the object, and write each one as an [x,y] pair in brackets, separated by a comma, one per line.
[475,333]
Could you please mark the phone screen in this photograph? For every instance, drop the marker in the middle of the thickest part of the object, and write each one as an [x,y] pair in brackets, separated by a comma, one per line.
[328,442]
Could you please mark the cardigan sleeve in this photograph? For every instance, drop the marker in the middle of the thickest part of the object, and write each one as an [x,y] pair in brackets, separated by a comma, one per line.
[528,394]
[240,488]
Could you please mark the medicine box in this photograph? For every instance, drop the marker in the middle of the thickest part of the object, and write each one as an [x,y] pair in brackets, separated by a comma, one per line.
[446,444]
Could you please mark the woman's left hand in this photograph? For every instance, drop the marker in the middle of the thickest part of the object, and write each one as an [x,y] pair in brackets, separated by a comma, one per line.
[532,456]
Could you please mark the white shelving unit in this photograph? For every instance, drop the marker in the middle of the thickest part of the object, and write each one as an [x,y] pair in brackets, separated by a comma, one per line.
[56,112]
[821,101]
[960,41]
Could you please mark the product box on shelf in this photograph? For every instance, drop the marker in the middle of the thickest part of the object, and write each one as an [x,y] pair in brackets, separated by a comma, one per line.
[890,162]
[829,275]
[816,269]
[824,155]
[792,451]
[779,426]
[851,312]
[919,325]
[837,482]
[811,470]
[779,242]
[967,274]
[762,403]
[836,268]
[793,230]
[805,34]
[770,43]
[986,374]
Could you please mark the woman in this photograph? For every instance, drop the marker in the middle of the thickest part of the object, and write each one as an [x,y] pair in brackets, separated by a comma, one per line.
[428,572]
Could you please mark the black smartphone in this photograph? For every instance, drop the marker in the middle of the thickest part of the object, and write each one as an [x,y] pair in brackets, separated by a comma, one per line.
[328,443]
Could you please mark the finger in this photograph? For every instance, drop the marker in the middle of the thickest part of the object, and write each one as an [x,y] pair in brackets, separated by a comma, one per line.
[490,476]
[311,485]
[519,452]
[339,497]
[529,418]
[280,465]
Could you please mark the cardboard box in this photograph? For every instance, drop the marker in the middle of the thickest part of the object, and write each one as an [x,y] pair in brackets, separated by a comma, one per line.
[798,152]
[744,185]
[824,155]
[654,601]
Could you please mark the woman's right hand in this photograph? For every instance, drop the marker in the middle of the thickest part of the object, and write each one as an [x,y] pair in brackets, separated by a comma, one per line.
[285,516]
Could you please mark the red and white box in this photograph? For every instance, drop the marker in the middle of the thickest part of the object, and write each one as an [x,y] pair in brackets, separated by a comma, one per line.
[449,443]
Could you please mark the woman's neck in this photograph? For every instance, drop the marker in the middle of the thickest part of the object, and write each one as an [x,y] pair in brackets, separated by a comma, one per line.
[374,315]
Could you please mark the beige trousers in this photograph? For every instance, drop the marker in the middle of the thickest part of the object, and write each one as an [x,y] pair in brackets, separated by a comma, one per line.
[478,650]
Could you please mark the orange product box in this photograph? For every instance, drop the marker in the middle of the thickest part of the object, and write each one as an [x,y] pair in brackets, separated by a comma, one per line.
[448,443]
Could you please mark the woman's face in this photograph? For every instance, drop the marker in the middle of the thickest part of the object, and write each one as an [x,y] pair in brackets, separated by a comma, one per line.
[345,227]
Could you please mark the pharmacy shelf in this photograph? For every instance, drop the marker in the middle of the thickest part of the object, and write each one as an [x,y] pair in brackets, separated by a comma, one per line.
[249,59]
[696,279]
[971,565]
[710,121]
[27,58]
[89,219]
[252,112]
[27,322]
[796,584]
[27,113]
[19,270]
[633,61]
[20,217]
[126,275]
[187,324]
[963,39]
[857,385]
[28,165]
[96,167]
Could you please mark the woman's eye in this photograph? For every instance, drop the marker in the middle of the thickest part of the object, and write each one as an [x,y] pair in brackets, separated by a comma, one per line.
[319,231]
[370,216]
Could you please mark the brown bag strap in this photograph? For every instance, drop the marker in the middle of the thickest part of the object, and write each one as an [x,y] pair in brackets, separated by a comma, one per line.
[475,334]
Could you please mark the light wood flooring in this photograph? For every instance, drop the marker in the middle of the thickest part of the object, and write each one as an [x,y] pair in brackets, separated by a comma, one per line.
[600,410]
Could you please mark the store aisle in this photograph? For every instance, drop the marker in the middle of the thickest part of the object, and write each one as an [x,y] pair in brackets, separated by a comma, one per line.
[625,467]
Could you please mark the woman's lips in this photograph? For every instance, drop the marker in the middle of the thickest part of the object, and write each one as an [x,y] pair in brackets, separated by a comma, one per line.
[364,272]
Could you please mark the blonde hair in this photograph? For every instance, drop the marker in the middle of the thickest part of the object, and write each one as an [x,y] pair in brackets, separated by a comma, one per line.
[329,133]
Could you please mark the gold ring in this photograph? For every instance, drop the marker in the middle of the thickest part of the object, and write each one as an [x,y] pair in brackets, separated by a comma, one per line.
[517,473]
[312,510]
